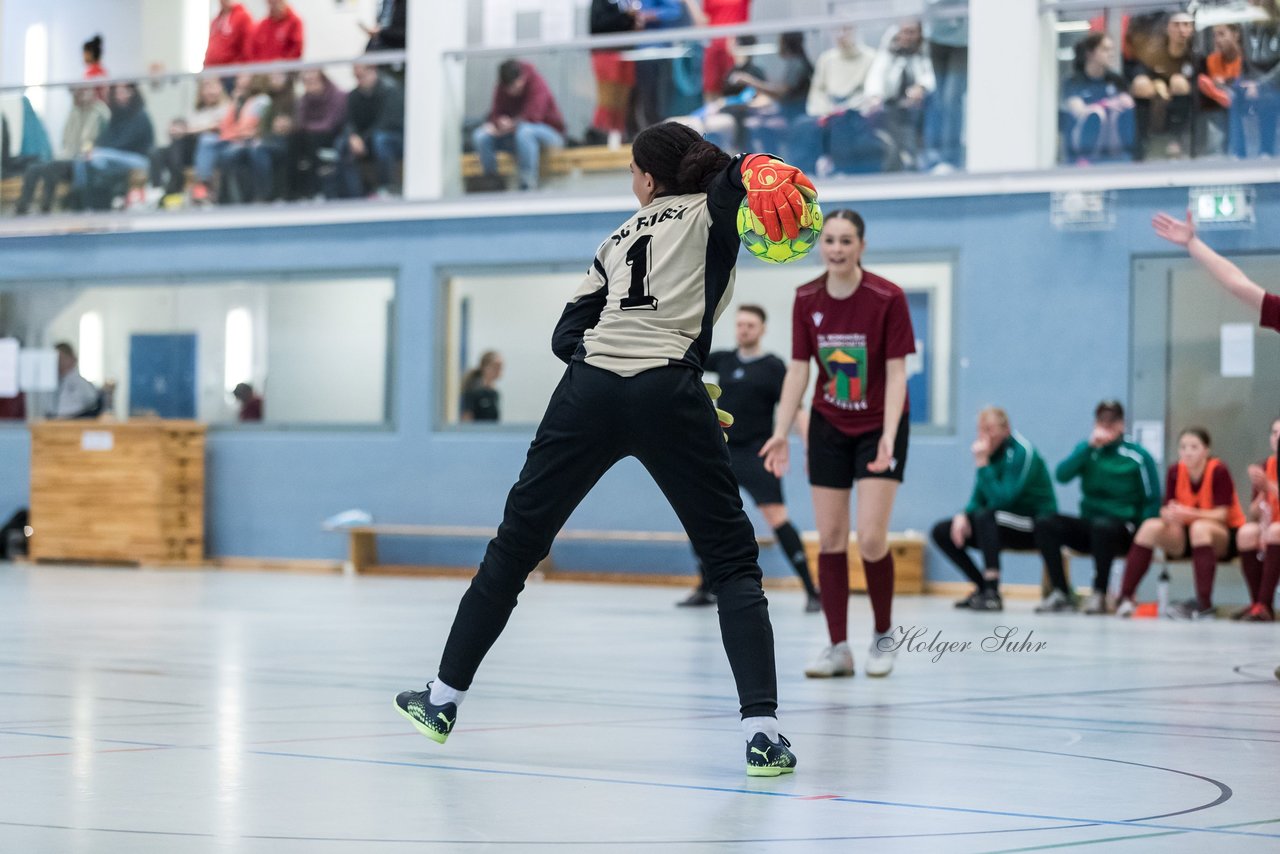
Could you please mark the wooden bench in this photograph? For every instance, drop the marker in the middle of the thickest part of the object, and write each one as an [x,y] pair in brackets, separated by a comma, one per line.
[10,190]
[362,552]
[559,161]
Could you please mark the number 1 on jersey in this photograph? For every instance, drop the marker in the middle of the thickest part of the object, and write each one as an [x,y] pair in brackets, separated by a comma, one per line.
[638,297]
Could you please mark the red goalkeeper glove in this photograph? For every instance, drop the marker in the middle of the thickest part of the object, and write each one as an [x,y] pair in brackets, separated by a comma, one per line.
[777,195]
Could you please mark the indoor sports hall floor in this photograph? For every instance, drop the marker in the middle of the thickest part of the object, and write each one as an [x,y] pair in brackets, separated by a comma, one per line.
[187,712]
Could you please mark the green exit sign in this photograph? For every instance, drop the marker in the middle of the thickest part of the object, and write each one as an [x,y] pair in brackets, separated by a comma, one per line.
[1222,205]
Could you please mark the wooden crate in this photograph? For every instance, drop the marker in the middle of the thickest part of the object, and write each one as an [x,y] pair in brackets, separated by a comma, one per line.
[908,562]
[129,492]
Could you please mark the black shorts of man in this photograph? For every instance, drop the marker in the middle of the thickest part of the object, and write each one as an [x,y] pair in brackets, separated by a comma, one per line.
[1011,491]
[751,383]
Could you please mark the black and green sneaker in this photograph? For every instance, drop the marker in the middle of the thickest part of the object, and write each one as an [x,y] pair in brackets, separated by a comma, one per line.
[435,722]
[767,758]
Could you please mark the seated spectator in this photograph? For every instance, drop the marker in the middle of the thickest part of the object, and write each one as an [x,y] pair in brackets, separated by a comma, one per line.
[900,79]
[169,164]
[1200,518]
[615,76]
[1215,77]
[77,397]
[1011,492]
[1095,100]
[278,36]
[270,155]
[1258,540]
[86,120]
[387,32]
[1120,486]
[375,132]
[1256,98]
[124,146]
[722,119]
[840,75]
[717,59]
[250,403]
[1161,87]
[230,33]
[524,117]
[226,155]
[479,395]
[318,121]
[791,94]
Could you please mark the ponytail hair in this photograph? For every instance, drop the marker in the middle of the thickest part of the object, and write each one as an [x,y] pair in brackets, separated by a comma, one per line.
[678,158]
[93,47]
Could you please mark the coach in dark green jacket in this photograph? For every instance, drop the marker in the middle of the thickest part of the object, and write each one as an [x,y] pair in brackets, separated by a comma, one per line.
[1121,487]
[1011,492]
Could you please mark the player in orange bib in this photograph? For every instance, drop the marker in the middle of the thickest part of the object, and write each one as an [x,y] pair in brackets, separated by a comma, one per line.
[1258,541]
[1200,517]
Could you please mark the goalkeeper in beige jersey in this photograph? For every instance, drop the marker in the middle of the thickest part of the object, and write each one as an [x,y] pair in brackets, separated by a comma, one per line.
[634,337]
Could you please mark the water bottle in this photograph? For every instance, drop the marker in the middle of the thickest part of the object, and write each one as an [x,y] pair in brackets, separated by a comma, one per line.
[1162,591]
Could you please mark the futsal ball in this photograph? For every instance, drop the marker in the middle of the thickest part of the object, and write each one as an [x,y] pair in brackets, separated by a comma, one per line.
[783,251]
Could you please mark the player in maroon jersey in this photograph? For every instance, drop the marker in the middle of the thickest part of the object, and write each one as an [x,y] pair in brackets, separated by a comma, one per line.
[856,326]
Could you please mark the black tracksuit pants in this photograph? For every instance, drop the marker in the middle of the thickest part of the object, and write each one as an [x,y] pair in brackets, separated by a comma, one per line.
[664,418]
[990,533]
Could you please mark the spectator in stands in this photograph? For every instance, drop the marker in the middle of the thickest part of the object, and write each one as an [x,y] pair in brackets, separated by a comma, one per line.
[1162,86]
[840,75]
[1200,518]
[169,164]
[479,395]
[718,60]
[1257,94]
[900,79]
[655,81]
[318,121]
[92,53]
[225,156]
[387,32]
[1259,535]
[946,28]
[1011,492]
[375,132]
[1121,489]
[524,116]
[122,147]
[250,403]
[791,93]
[77,398]
[615,77]
[278,36]
[230,33]
[1095,102]
[270,153]
[1215,77]
[86,120]
[722,120]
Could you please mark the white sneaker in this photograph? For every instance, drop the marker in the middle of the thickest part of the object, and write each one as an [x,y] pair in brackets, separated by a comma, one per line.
[832,661]
[880,659]
[1125,608]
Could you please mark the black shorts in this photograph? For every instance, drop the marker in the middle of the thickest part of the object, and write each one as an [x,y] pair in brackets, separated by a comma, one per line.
[752,476]
[1233,547]
[837,461]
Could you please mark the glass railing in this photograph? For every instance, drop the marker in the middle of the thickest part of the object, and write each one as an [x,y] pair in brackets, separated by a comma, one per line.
[291,132]
[1146,82]
[839,98]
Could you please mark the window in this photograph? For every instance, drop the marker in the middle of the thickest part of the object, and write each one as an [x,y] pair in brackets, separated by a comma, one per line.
[239,348]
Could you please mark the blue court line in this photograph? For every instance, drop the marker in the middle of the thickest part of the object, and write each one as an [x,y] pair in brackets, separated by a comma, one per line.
[1052,845]
[574,778]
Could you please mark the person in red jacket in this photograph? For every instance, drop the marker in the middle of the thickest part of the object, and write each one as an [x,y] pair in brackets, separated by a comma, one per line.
[229,35]
[524,117]
[277,36]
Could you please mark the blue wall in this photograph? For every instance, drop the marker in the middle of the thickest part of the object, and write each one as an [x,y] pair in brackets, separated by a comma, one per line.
[1041,320]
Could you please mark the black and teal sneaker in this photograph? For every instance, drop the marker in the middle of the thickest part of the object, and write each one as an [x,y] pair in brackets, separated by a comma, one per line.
[767,758]
[435,722]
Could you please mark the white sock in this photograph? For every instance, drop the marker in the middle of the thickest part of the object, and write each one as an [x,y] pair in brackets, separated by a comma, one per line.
[751,726]
[441,693]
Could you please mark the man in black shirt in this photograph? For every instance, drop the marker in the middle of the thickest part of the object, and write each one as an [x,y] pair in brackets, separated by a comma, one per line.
[751,381]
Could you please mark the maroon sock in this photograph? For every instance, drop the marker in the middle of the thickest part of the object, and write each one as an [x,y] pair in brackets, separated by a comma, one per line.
[1251,567]
[833,587]
[1205,563]
[1270,575]
[880,589]
[1135,566]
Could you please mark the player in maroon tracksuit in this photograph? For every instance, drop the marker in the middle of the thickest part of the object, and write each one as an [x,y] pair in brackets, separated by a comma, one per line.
[1240,286]
[856,326]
